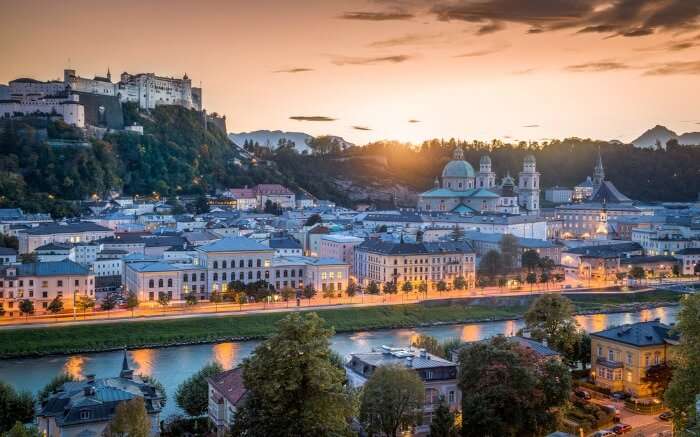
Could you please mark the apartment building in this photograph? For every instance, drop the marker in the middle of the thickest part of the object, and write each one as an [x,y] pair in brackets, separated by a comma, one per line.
[61,232]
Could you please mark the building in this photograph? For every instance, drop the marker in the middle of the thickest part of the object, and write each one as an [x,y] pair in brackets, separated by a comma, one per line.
[484,242]
[245,198]
[300,271]
[654,266]
[690,261]
[275,194]
[438,375]
[101,85]
[665,239]
[149,91]
[384,261]
[338,246]
[235,259]
[66,106]
[86,407]
[61,232]
[8,255]
[622,355]
[226,391]
[43,282]
[285,246]
[559,195]
[149,279]
[463,191]
[598,261]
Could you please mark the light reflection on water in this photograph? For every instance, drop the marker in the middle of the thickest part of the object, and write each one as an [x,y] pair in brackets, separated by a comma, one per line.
[172,365]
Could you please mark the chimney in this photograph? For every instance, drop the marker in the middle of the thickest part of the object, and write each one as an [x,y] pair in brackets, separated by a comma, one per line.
[409,362]
[89,390]
[423,353]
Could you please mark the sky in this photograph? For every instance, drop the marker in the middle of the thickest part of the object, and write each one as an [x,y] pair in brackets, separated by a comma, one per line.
[407,70]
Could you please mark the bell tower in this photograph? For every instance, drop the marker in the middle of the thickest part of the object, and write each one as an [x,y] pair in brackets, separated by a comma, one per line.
[529,186]
[486,178]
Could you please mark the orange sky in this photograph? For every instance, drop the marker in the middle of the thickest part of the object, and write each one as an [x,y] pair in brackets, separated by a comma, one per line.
[397,60]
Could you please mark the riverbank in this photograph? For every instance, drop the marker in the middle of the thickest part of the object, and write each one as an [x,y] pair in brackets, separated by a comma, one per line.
[159,333]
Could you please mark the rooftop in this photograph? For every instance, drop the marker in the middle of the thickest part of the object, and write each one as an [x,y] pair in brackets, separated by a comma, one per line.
[66,228]
[640,334]
[391,248]
[229,384]
[53,268]
[234,244]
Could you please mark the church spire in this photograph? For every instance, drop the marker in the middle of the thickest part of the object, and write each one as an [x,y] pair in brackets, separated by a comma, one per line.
[109,75]
[598,171]
[458,154]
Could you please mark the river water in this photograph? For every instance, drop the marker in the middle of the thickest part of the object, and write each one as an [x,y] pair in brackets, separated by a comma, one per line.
[172,365]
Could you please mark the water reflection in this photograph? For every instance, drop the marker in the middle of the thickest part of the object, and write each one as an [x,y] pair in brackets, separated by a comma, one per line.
[144,361]
[470,333]
[75,366]
[225,354]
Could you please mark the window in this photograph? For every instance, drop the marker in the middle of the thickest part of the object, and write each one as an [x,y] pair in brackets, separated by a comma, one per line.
[241,264]
[451,397]
[59,283]
[84,415]
[77,282]
[250,263]
[611,355]
[223,276]
[223,264]
[160,283]
[216,264]
[215,277]
[151,284]
[629,358]
[259,262]
[170,282]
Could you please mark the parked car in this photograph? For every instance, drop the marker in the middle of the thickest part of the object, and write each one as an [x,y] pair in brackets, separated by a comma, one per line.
[666,416]
[621,428]
[582,394]
[604,433]
[621,395]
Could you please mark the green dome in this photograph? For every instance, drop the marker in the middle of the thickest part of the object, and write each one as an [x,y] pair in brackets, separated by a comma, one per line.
[458,169]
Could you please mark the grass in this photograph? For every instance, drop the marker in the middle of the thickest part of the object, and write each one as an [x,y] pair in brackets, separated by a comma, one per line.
[100,337]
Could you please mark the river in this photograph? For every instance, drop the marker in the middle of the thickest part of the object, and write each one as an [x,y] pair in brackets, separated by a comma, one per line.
[172,365]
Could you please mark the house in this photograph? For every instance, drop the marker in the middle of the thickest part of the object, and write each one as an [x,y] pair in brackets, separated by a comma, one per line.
[226,392]
[621,355]
[8,255]
[654,266]
[690,260]
[275,194]
[285,246]
[43,282]
[599,261]
[62,232]
[340,247]
[85,408]
[320,273]
[438,374]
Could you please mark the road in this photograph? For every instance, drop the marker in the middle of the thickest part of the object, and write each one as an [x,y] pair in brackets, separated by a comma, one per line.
[152,310]
[643,425]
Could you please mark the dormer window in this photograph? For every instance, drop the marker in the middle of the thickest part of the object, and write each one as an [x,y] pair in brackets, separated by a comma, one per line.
[85,415]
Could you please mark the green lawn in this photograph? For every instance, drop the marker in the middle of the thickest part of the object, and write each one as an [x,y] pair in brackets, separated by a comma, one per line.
[77,338]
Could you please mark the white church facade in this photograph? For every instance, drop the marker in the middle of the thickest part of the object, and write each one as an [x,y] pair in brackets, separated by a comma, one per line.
[462,190]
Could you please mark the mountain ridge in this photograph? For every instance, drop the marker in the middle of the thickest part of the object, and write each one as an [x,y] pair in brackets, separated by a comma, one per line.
[662,135]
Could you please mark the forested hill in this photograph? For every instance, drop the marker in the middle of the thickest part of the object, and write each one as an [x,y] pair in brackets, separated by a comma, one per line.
[48,166]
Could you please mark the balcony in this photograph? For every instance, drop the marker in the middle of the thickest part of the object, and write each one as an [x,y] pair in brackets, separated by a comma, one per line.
[610,364]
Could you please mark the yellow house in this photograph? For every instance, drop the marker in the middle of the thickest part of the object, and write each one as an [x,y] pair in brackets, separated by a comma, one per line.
[621,355]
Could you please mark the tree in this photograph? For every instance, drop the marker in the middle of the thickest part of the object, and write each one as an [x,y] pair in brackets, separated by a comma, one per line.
[130,419]
[52,386]
[407,287]
[85,303]
[459,283]
[201,205]
[55,306]
[108,303]
[391,400]
[637,272]
[216,298]
[14,406]
[430,344]
[390,288]
[241,298]
[534,392]
[19,430]
[551,317]
[509,250]
[658,377]
[351,291]
[160,389]
[443,423]
[423,288]
[531,279]
[26,307]
[530,260]
[313,219]
[372,288]
[491,264]
[441,286]
[163,299]
[191,299]
[28,258]
[294,387]
[309,292]
[192,394]
[287,294]
[685,385]
[328,294]
[132,302]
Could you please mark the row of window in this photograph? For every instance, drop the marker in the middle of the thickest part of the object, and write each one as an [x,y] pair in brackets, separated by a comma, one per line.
[30,283]
[241,264]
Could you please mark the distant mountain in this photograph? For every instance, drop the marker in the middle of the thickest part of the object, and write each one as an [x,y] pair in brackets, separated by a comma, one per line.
[662,135]
[270,139]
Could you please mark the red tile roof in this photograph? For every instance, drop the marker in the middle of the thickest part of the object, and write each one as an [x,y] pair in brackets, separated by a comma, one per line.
[230,385]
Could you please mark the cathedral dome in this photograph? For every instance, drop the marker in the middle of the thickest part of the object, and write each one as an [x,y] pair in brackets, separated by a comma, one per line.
[458,169]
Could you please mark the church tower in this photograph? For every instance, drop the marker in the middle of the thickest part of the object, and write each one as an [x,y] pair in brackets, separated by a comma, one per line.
[598,172]
[529,186]
[486,178]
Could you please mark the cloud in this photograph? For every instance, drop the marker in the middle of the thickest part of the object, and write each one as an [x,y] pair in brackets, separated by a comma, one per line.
[361,128]
[413,120]
[675,45]
[673,68]
[596,67]
[628,18]
[523,72]
[483,52]
[405,40]
[350,60]
[376,16]
[531,125]
[311,118]
[294,70]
